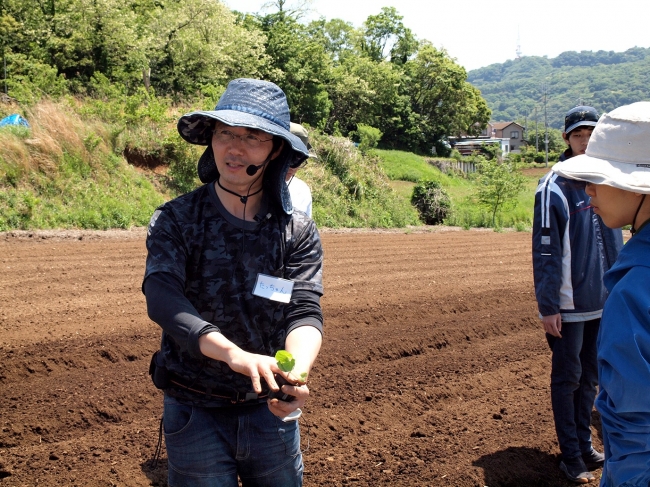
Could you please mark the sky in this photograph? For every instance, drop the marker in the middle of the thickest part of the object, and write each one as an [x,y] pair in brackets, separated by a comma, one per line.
[479,33]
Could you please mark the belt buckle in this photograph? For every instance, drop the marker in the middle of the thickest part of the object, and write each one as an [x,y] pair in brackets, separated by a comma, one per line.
[239,397]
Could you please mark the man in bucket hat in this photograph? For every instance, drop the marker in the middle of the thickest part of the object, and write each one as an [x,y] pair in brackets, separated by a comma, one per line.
[616,170]
[232,276]
[572,249]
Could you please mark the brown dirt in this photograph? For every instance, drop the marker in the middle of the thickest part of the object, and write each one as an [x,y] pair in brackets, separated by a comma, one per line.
[535,171]
[434,369]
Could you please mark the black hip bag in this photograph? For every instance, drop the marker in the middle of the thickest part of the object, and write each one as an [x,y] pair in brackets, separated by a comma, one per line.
[164,379]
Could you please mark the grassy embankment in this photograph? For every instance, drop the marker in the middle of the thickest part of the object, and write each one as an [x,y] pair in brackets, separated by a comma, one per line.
[68,170]
[63,172]
[405,170]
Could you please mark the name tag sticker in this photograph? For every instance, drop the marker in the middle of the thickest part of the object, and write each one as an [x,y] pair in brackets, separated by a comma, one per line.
[273,288]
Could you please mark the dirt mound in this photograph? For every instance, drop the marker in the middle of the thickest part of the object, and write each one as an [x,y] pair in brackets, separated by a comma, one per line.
[434,369]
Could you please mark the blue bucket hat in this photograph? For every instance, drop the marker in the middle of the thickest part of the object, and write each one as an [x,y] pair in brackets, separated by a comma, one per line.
[254,104]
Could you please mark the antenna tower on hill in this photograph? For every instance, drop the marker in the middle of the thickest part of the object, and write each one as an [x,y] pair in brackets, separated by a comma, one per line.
[518,51]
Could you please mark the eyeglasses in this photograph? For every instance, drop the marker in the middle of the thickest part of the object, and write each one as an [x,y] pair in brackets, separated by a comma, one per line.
[249,140]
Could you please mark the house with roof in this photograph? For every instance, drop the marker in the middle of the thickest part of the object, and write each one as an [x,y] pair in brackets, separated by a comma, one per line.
[509,136]
[507,130]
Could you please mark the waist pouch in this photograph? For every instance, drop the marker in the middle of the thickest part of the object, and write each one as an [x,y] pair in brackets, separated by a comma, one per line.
[158,372]
[165,379]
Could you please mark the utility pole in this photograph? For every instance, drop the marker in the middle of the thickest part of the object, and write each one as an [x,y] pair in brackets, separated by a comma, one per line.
[545,126]
[536,135]
[525,134]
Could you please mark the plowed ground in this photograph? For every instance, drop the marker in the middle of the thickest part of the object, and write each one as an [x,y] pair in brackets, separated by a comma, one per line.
[434,369]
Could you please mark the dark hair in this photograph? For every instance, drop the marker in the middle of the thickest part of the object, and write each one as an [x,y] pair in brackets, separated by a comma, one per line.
[277,141]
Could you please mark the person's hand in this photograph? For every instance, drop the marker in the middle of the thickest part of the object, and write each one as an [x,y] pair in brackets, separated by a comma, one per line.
[255,366]
[553,325]
[282,408]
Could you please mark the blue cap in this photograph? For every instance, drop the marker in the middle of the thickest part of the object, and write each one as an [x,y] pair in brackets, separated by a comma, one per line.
[581,116]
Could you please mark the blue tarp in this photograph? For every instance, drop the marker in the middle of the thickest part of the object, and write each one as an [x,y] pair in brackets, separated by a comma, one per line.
[14,119]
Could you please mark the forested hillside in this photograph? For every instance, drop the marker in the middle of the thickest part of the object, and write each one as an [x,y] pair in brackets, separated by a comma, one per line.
[602,79]
[337,77]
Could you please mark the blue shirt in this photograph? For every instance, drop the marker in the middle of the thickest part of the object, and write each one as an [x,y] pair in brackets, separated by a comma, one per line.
[624,366]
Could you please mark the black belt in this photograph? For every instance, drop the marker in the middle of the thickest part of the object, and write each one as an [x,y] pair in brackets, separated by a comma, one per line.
[235,397]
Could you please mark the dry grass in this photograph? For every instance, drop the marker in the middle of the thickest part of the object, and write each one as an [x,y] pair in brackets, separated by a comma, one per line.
[14,152]
[55,129]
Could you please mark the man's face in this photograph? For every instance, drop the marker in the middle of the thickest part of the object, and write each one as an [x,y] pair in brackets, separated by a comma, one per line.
[291,172]
[578,139]
[615,206]
[234,155]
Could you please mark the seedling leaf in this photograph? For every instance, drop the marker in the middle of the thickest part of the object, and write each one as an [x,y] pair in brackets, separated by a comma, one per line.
[285,360]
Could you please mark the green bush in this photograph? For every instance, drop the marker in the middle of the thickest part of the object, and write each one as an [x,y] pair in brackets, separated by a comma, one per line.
[368,137]
[431,201]
[182,158]
[29,79]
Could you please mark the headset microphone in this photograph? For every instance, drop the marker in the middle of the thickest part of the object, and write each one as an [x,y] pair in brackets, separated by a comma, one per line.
[252,170]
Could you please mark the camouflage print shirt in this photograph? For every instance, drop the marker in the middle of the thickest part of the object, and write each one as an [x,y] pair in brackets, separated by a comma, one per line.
[217,258]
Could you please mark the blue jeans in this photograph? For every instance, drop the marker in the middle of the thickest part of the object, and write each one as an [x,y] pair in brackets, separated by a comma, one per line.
[574,378]
[211,447]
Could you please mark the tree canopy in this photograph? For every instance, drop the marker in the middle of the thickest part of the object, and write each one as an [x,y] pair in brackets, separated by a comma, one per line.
[336,77]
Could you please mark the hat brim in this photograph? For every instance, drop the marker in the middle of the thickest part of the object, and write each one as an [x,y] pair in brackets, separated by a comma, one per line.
[194,132]
[582,123]
[622,175]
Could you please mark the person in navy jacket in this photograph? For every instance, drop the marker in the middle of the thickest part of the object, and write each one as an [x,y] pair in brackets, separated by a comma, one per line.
[572,250]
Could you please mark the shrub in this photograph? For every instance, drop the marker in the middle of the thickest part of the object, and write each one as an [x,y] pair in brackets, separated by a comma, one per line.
[368,137]
[29,79]
[431,201]
[499,185]
[182,158]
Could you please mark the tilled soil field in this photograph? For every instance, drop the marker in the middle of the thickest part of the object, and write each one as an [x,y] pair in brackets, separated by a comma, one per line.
[434,369]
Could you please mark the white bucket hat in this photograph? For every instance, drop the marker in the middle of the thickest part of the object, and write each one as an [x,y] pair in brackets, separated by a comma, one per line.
[618,153]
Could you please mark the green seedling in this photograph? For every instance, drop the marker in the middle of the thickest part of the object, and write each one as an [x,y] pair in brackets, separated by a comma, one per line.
[286,363]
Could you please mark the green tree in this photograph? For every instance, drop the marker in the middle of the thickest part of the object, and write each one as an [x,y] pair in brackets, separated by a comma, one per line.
[301,67]
[338,38]
[385,34]
[194,44]
[372,93]
[444,101]
[499,184]
[535,134]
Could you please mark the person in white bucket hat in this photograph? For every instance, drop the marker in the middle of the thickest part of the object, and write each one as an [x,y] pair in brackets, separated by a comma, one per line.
[298,189]
[616,171]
